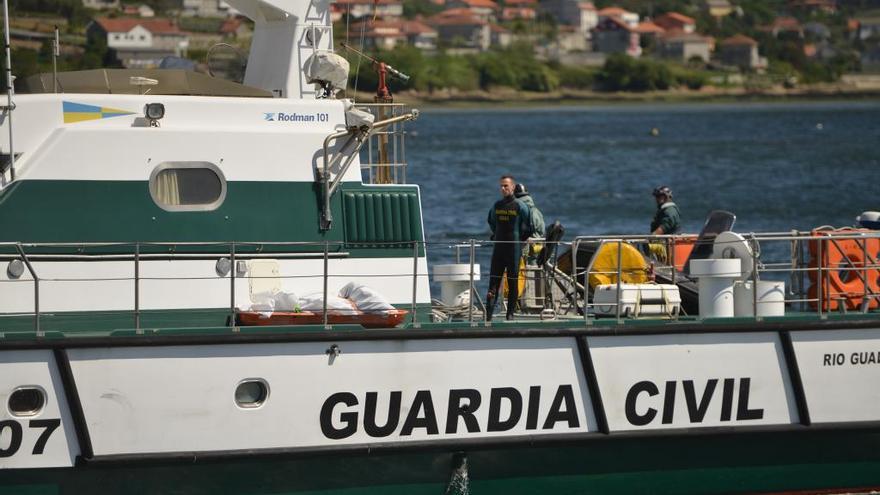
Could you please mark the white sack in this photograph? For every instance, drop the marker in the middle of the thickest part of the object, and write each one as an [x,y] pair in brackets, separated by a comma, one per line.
[315,302]
[365,298]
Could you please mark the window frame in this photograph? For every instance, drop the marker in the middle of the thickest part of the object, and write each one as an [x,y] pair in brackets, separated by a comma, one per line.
[188,165]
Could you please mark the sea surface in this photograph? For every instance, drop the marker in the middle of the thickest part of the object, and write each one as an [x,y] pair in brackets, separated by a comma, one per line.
[777,166]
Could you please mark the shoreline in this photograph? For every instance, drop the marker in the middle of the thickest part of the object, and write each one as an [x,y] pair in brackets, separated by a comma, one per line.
[505,97]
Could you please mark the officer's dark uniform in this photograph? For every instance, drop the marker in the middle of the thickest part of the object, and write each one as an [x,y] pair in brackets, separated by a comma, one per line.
[509,220]
[668,216]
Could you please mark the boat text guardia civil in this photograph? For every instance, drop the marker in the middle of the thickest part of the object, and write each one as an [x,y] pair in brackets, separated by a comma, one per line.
[144,216]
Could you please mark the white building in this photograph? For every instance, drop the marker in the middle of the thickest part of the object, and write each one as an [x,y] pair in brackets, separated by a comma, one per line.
[386,9]
[631,19]
[141,43]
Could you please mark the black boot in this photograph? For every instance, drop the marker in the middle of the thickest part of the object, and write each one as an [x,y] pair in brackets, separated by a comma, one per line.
[490,306]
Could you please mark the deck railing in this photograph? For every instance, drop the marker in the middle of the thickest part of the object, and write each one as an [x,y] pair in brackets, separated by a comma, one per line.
[383,159]
[569,301]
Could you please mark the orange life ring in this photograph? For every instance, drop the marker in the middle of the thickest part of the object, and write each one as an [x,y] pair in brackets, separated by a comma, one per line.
[840,282]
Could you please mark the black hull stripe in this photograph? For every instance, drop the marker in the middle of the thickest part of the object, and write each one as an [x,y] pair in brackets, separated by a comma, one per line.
[74,403]
[464,445]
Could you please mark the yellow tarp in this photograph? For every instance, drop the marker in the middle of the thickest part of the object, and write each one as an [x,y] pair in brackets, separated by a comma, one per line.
[634,268]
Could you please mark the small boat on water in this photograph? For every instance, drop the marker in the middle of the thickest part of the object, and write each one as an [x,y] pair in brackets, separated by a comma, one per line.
[145,215]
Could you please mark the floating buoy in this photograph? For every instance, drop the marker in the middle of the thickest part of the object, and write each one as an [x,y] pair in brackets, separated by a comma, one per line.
[819,126]
[655,131]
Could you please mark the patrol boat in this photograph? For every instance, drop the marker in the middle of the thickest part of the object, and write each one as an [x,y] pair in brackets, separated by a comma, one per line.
[145,215]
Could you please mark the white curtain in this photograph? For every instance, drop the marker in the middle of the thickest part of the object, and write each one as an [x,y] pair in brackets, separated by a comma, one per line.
[167,188]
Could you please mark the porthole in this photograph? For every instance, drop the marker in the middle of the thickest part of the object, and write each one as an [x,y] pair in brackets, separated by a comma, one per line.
[251,393]
[26,401]
[187,186]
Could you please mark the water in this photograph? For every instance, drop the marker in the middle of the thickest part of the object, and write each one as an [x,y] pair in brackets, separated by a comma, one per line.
[776,166]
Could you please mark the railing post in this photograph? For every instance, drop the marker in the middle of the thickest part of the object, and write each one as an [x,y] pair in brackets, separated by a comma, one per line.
[33,273]
[755,279]
[619,273]
[471,288]
[415,285]
[326,267]
[586,293]
[820,286]
[232,282]
[671,246]
[137,287]
[865,300]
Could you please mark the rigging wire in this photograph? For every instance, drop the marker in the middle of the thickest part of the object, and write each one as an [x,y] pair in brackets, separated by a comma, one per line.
[357,73]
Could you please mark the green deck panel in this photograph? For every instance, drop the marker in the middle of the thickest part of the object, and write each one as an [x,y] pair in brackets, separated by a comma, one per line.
[696,464]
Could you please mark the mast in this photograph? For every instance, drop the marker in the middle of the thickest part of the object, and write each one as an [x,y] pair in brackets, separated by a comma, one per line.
[9,88]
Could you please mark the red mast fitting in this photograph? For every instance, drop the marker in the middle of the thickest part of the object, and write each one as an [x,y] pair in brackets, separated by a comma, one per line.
[383,94]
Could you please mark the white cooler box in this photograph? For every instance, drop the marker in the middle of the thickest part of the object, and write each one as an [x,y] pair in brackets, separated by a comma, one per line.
[638,300]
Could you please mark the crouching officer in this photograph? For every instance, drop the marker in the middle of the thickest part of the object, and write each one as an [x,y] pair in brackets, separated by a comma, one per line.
[534,245]
[667,220]
[510,222]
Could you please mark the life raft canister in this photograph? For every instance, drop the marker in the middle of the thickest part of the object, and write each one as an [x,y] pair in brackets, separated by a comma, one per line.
[840,282]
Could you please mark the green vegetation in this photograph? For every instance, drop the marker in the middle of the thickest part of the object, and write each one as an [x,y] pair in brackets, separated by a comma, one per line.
[73,10]
[517,68]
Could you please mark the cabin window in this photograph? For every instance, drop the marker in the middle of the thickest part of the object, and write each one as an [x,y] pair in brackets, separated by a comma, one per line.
[26,401]
[188,186]
[251,393]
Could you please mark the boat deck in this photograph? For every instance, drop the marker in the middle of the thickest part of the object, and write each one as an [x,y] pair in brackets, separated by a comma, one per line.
[160,327]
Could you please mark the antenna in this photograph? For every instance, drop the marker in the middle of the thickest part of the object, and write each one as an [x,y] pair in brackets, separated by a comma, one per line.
[56,52]
[10,106]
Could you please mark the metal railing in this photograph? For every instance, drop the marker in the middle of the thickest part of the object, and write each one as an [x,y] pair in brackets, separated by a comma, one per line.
[837,262]
[383,160]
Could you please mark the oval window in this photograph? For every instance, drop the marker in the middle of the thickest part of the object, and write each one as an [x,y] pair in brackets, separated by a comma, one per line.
[28,401]
[187,186]
[251,393]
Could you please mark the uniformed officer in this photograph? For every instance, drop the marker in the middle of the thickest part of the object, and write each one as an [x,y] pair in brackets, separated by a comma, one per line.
[667,220]
[511,223]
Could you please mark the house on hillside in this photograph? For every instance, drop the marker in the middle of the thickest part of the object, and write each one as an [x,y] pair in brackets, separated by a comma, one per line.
[684,47]
[141,10]
[485,9]
[519,9]
[648,31]
[813,6]
[868,28]
[570,39]
[577,13]
[613,35]
[387,34]
[206,8]
[673,21]
[140,43]
[741,51]
[630,18]
[718,8]
[499,36]
[386,9]
[463,32]
[784,26]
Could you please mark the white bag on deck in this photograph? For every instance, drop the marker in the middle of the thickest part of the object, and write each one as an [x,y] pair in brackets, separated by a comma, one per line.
[365,298]
[315,302]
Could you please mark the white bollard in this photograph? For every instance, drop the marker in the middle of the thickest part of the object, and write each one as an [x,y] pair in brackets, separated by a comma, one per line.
[454,279]
[771,299]
[716,277]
